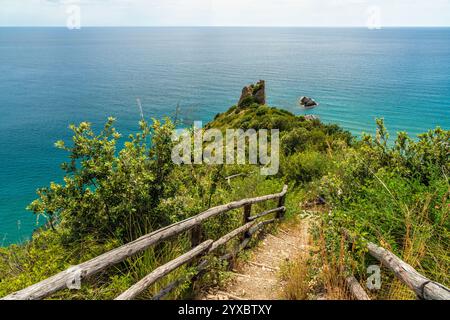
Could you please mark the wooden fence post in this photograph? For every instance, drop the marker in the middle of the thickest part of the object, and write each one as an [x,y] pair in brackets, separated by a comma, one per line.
[196,236]
[281,202]
[196,239]
[247,215]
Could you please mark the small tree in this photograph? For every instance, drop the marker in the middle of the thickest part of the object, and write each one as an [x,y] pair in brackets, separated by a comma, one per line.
[107,193]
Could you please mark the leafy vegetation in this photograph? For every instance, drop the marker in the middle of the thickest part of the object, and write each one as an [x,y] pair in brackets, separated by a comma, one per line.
[395,194]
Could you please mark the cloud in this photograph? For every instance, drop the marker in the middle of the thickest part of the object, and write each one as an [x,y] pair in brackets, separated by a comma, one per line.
[226,12]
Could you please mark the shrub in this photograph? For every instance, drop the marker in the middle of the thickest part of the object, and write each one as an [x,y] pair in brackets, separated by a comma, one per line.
[108,194]
[305,167]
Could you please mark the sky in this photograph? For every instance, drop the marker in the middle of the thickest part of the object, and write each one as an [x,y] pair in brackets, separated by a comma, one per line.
[340,13]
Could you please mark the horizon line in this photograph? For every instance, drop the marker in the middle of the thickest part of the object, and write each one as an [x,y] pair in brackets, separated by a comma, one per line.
[224,26]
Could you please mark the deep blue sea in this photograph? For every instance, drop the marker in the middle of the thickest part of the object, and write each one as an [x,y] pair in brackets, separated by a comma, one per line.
[51,77]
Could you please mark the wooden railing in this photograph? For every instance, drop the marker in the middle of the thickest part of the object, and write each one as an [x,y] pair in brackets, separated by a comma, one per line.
[423,287]
[89,268]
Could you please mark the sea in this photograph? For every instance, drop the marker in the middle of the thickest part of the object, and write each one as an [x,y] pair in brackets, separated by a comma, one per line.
[53,77]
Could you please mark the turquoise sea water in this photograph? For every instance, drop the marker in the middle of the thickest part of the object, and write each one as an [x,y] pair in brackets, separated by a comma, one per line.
[51,77]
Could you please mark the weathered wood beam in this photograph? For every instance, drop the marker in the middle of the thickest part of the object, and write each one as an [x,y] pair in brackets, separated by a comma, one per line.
[89,268]
[178,282]
[356,289]
[246,241]
[265,213]
[260,225]
[204,264]
[162,271]
[423,287]
[226,238]
[169,288]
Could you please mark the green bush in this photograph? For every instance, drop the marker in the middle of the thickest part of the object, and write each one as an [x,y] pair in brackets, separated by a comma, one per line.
[304,167]
[396,195]
[106,194]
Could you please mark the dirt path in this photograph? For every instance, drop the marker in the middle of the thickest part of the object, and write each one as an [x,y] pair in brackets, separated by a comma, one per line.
[259,278]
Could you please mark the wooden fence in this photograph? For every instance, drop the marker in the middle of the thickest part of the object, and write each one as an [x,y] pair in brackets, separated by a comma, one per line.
[87,269]
[423,287]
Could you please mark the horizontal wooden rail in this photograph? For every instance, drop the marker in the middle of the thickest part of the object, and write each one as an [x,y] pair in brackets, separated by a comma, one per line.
[89,268]
[260,225]
[265,213]
[204,264]
[161,271]
[178,282]
[251,227]
[356,289]
[423,287]
[225,239]
[245,242]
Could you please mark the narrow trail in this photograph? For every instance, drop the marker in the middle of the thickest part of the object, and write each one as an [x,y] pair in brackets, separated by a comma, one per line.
[259,277]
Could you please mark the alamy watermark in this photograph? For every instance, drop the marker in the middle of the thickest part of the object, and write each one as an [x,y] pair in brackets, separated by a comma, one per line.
[374,18]
[374,280]
[73,11]
[73,281]
[238,146]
